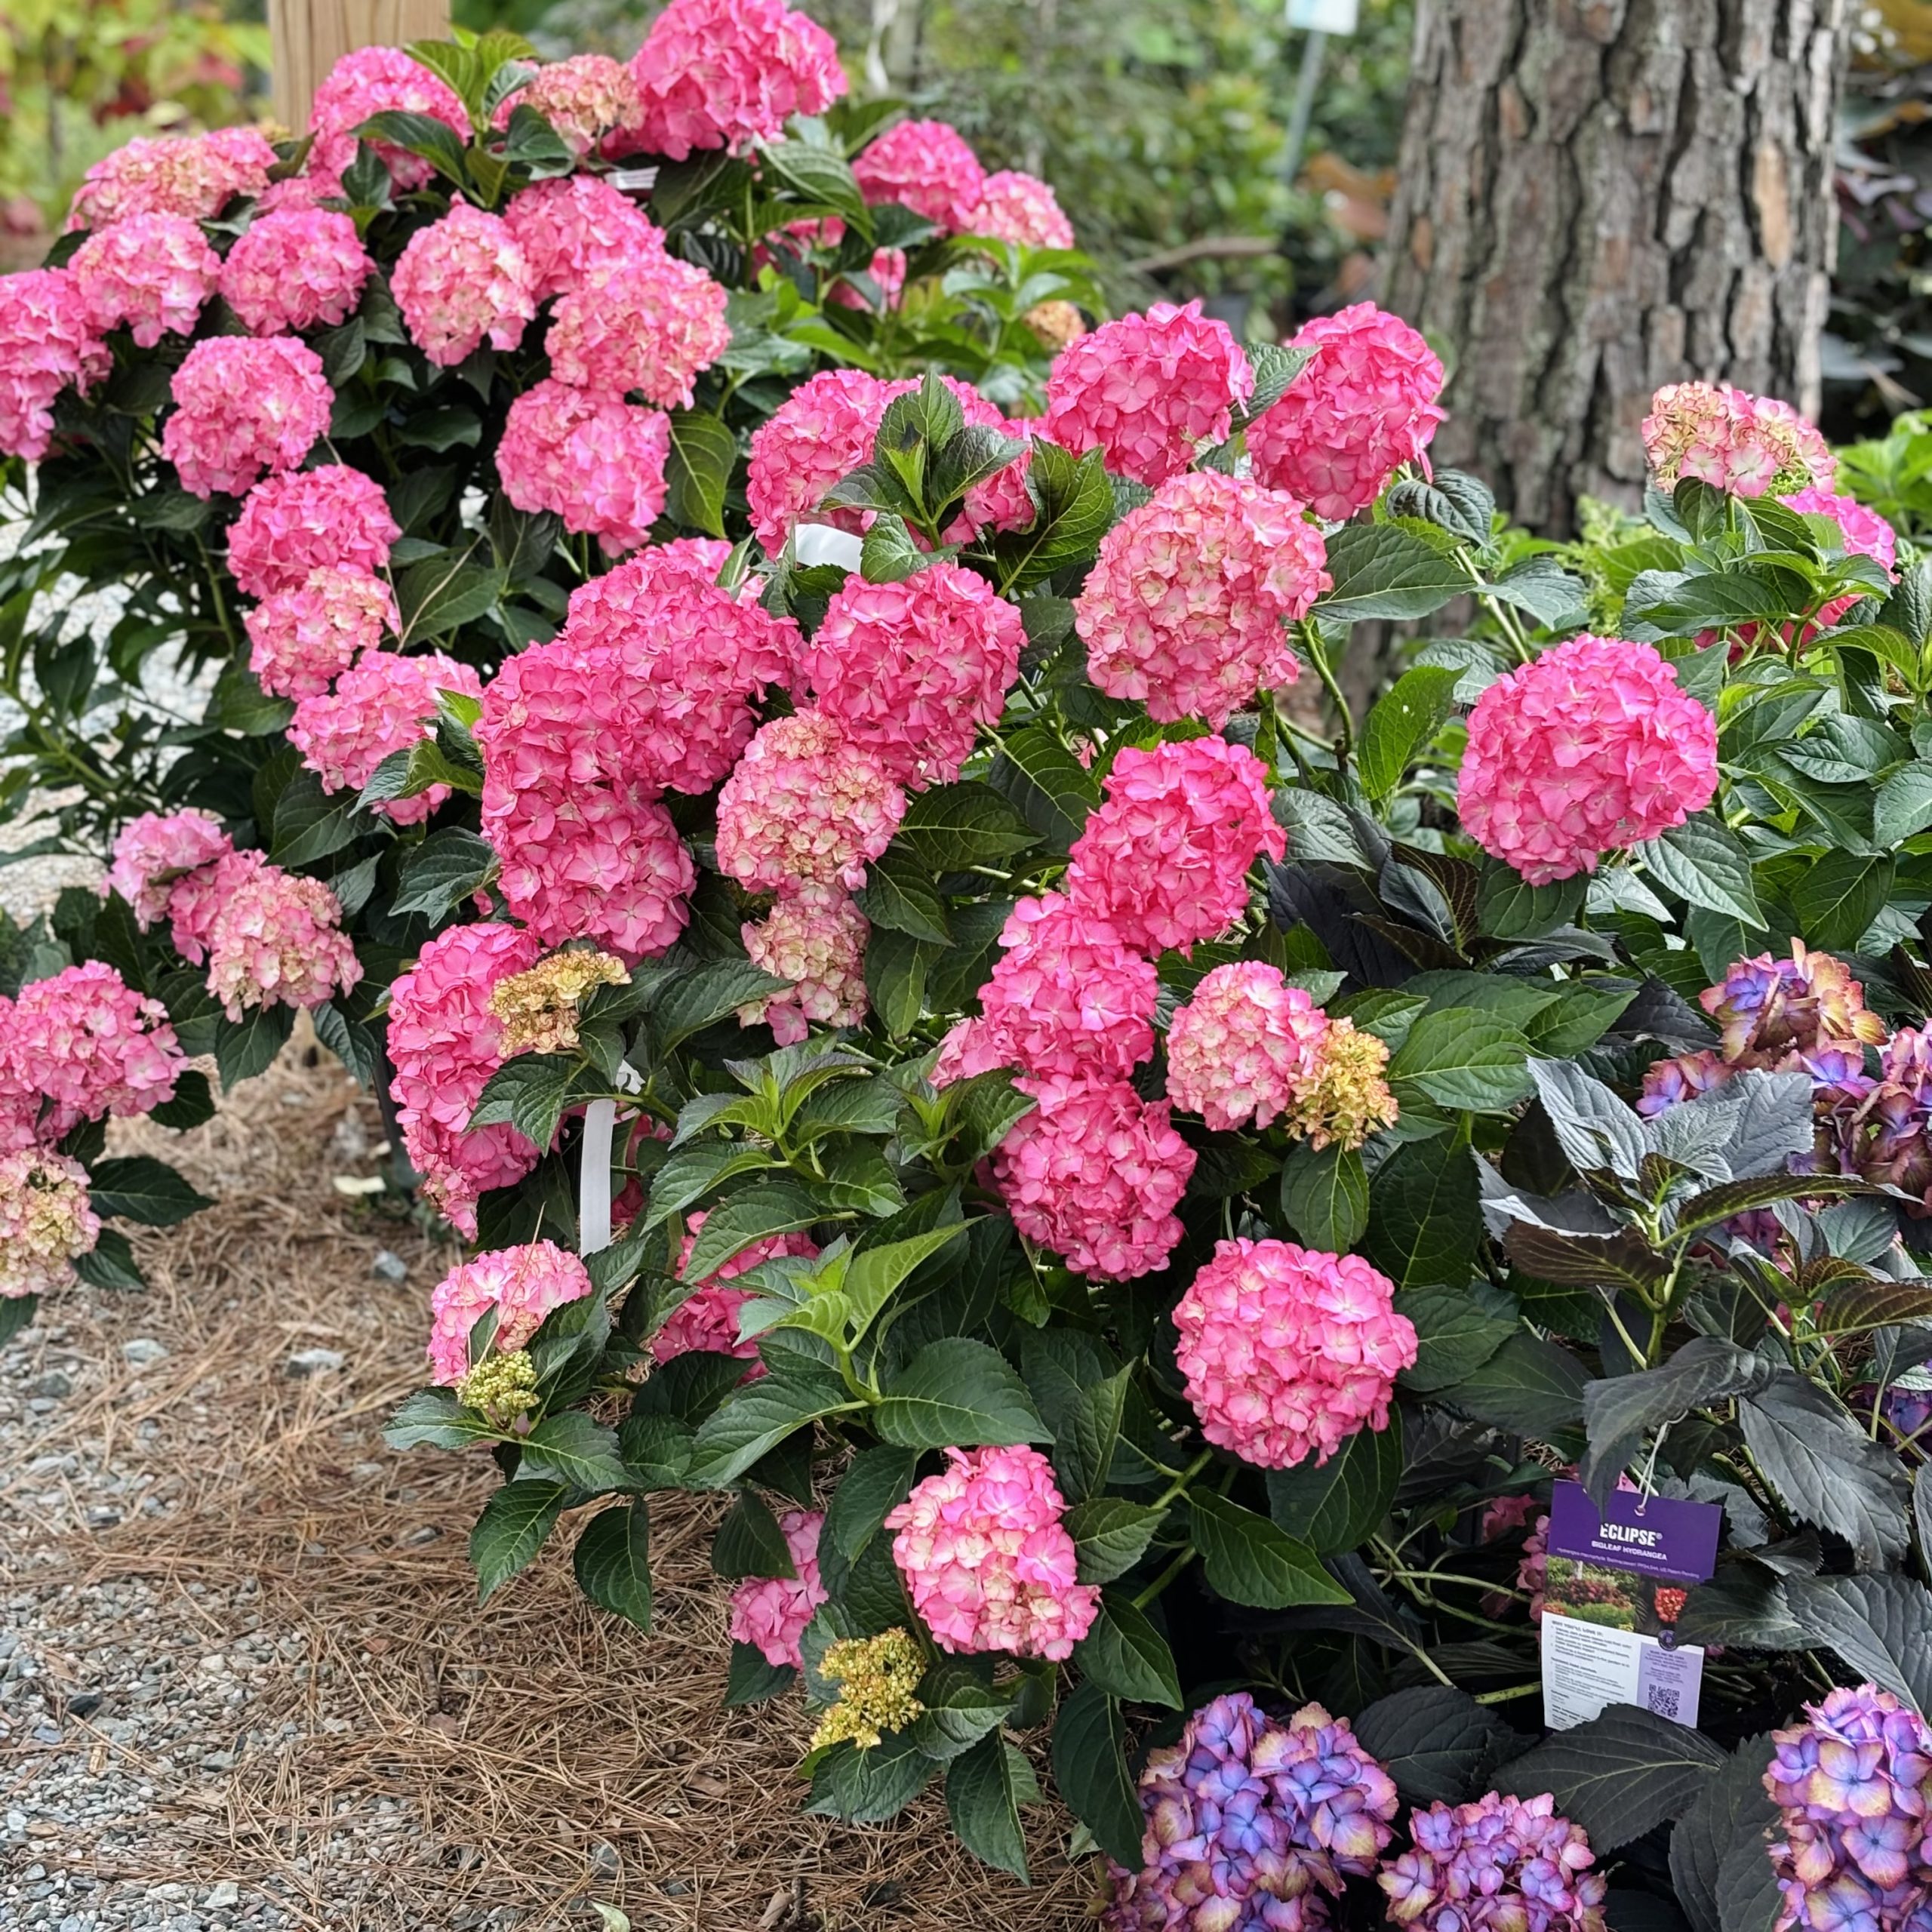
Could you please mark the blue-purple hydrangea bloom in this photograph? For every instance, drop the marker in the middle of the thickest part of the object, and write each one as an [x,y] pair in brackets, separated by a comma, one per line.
[1498,1865]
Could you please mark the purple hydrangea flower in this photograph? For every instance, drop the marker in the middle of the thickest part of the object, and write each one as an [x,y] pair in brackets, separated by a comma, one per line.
[1886,1138]
[1500,1864]
[1769,1009]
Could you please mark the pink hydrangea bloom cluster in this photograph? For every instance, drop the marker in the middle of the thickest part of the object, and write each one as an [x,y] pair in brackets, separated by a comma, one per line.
[1245,1047]
[1165,856]
[523,1284]
[642,321]
[1251,1821]
[583,98]
[383,703]
[1748,445]
[819,435]
[928,167]
[79,1045]
[1020,208]
[295,269]
[571,224]
[771,1612]
[302,639]
[370,81]
[707,1321]
[1364,406]
[154,850]
[151,272]
[47,344]
[331,516]
[815,937]
[596,460]
[989,1564]
[1862,532]
[276,939]
[1593,746]
[1147,390]
[725,73]
[461,282]
[46,1222]
[196,176]
[1187,603]
[245,406]
[1287,1352]
[1500,1864]
[443,1043]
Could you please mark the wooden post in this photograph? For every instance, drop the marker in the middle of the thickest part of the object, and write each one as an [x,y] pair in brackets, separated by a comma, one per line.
[308,37]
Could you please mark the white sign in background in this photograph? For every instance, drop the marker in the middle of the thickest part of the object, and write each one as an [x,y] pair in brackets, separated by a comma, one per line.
[1325,16]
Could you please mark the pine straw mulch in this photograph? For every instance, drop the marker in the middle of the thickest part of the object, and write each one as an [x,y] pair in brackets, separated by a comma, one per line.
[526,1741]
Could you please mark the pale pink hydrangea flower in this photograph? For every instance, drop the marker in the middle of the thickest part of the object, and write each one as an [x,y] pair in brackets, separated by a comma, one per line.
[295,269]
[1592,747]
[928,167]
[1365,405]
[47,344]
[78,1045]
[195,899]
[816,938]
[707,1321]
[331,516]
[152,271]
[443,1045]
[912,670]
[598,461]
[805,806]
[47,1222]
[1286,1351]
[772,1612]
[307,190]
[245,406]
[154,850]
[193,175]
[277,940]
[817,436]
[583,98]
[1748,445]
[1245,1047]
[1862,532]
[988,1562]
[382,703]
[303,638]
[1188,601]
[523,1284]
[1147,390]
[570,224]
[725,73]
[1019,208]
[644,321]
[1094,1172]
[462,282]
[1166,855]
[371,81]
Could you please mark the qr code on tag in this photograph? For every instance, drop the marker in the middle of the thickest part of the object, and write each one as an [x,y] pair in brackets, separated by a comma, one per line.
[1662,1701]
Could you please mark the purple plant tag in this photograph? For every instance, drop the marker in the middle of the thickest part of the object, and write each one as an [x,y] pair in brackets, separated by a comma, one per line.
[1653,1535]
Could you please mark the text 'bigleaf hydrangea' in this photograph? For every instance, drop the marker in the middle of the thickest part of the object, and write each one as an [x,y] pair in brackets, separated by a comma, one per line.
[461,282]
[245,406]
[152,271]
[295,269]
[1748,445]
[332,515]
[645,320]
[926,166]
[303,638]
[598,461]
[47,344]
[770,1612]
[816,938]
[523,1284]
[46,1223]
[1498,1865]
[1245,1047]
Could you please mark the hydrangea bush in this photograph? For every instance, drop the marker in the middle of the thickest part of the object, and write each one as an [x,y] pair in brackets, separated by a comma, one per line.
[836,836]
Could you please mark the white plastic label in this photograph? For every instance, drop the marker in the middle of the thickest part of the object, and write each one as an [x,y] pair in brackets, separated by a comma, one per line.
[1325,16]
[820,543]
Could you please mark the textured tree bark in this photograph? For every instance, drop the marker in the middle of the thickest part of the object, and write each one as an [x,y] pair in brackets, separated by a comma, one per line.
[308,37]
[1597,197]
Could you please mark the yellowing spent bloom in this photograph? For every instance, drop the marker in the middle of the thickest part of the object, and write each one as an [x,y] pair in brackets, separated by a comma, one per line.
[876,1677]
[538,1009]
[1348,1099]
[502,1387]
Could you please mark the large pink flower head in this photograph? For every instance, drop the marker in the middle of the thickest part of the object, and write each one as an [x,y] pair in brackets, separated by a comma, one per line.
[990,1566]
[302,640]
[1592,747]
[523,1284]
[294,269]
[1249,1821]
[552,720]
[1166,855]
[84,1043]
[816,938]
[598,461]
[277,940]
[771,1612]
[1095,1173]
[245,406]
[584,98]
[196,897]
[1500,1864]
[1287,1352]
[1245,1047]
[1364,406]
[332,516]
[928,167]
[912,670]
[805,806]
[462,282]
[46,1221]
[47,344]
[152,271]
[1020,208]
[707,1321]
[817,436]
[725,73]
[1748,445]
[1862,533]
[383,703]
[1147,390]
[645,320]
[152,851]
[372,80]
[443,1045]
[1187,604]
[192,175]
[573,223]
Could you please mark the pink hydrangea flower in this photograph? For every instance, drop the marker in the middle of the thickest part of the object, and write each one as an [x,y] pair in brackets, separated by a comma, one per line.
[307,190]
[370,81]
[1166,856]
[912,670]
[1498,1865]
[1862,533]
[1748,445]
[1147,390]
[928,167]
[462,282]
[383,703]
[79,1045]
[644,321]
[707,1321]
[552,719]
[294,269]
[772,1612]
[47,344]
[1000,501]
[816,938]
[725,73]
[1095,1173]
[47,1222]
[152,271]
[443,1045]
[1020,208]
[302,639]
[805,806]
[195,898]
[1187,605]
[1364,406]
[988,1560]
[1286,1353]
[584,98]
[523,1284]
[245,406]
[818,435]
[1245,1047]
[1592,747]
[568,226]
[596,460]
[152,851]
[277,940]
[192,175]
[331,516]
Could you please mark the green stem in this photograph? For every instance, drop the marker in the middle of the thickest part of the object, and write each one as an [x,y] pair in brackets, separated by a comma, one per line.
[1186,1476]
[1167,1576]
[1317,655]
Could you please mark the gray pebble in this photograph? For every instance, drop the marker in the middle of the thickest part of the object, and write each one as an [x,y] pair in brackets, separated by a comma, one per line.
[312,1361]
[143,1352]
[389,1267]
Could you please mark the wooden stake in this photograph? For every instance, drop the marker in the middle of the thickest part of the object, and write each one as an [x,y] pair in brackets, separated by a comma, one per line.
[308,37]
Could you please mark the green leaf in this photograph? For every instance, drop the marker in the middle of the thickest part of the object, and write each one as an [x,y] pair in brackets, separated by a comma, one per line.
[750,1680]
[750,1543]
[1877,1625]
[1126,1656]
[1529,1385]
[1904,804]
[896,895]
[571,1447]
[1090,1768]
[1462,1061]
[512,1528]
[17,1312]
[1509,907]
[1620,1411]
[420,134]
[1702,860]
[982,1801]
[1826,1470]
[1111,1535]
[1075,505]
[1247,1560]
[700,998]
[698,472]
[957,1392]
[868,1787]
[1838,896]
[767,1208]
[1618,1776]
[309,822]
[442,872]
[961,1708]
[759,1416]
[1733,1809]
[1342,1503]
[612,1561]
[109,1263]
[1035,772]
[1400,723]
[875,1483]
[138,1188]
[896,968]
[874,1274]
[433,1418]
[530,1093]
[1436,1742]
[192,1104]
[951,827]
[1325,1195]
[1424,1221]
[443,593]
[1382,570]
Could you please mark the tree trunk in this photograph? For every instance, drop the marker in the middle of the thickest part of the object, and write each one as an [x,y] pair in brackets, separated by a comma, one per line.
[1598,197]
[308,37]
